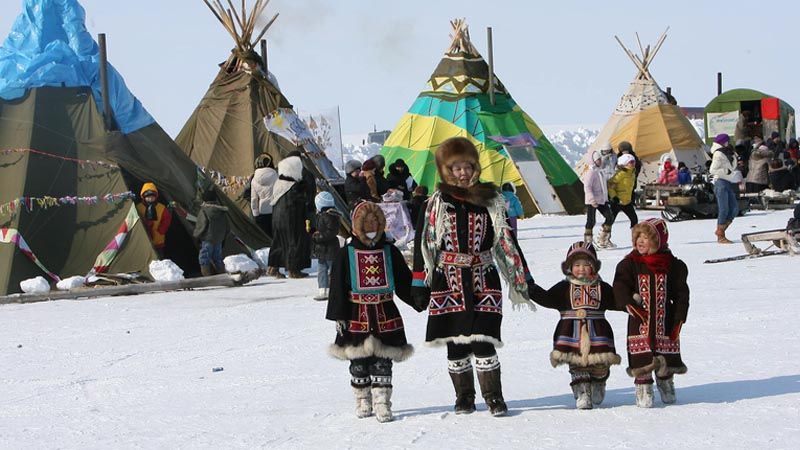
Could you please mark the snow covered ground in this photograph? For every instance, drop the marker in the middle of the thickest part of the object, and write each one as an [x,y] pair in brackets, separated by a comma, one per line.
[136,372]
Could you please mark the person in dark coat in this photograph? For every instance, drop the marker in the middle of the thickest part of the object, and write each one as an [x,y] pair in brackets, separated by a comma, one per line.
[380,174]
[462,247]
[325,241]
[354,185]
[650,283]
[366,275]
[780,179]
[291,244]
[417,203]
[400,178]
[211,229]
[583,338]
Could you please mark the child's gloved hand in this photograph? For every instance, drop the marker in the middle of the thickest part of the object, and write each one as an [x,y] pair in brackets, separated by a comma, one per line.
[341,326]
[676,331]
[420,297]
[637,299]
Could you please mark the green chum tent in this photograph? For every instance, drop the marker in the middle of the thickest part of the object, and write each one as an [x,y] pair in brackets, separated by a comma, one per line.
[766,114]
[456,102]
[70,174]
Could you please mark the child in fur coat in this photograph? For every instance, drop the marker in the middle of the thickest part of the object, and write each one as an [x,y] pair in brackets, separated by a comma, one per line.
[583,338]
[650,283]
[366,275]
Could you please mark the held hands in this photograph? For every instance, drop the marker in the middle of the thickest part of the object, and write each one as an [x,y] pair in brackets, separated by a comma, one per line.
[420,298]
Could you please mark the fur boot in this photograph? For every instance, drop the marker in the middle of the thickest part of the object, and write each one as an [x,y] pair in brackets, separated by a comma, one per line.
[720,233]
[464,383]
[604,238]
[382,403]
[598,391]
[644,395]
[322,295]
[583,395]
[363,401]
[666,388]
[297,274]
[207,270]
[492,390]
[588,237]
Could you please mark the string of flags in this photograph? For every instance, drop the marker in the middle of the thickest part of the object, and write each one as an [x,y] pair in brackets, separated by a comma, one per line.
[30,203]
[228,183]
[84,163]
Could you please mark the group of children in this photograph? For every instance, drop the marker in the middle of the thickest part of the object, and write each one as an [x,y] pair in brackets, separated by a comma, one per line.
[464,245]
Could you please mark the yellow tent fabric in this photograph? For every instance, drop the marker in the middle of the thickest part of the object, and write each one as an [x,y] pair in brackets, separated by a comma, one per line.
[657,130]
[423,134]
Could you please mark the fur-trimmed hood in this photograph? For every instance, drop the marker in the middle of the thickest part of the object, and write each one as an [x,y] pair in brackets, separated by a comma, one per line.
[479,194]
[291,167]
[453,150]
[360,213]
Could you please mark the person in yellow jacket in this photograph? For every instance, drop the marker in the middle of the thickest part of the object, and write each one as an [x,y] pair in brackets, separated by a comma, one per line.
[620,192]
[155,216]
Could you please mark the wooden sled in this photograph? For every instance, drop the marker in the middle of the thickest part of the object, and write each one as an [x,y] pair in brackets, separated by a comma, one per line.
[781,239]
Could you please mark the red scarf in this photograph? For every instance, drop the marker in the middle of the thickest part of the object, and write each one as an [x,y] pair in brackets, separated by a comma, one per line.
[657,262]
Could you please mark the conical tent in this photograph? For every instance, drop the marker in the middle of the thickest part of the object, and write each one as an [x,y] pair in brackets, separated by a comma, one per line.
[647,119]
[456,102]
[67,182]
[227,131]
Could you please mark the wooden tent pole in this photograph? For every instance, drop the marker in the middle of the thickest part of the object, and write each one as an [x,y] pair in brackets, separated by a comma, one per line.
[264,56]
[491,64]
[108,114]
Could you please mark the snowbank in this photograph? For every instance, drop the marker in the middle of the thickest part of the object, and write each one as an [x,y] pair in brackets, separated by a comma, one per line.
[240,263]
[36,285]
[165,270]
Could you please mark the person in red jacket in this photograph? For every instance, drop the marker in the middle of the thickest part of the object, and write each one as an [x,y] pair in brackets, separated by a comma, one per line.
[669,175]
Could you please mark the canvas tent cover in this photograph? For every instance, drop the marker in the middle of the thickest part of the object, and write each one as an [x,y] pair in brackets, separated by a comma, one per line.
[54,145]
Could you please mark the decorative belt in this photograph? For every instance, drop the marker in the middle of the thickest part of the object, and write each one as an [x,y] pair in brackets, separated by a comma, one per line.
[371,298]
[583,314]
[465,259]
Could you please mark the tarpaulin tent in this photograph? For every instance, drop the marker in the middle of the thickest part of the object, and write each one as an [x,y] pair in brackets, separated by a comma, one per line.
[68,181]
[651,122]
[227,131]
[767,114]
[512,147]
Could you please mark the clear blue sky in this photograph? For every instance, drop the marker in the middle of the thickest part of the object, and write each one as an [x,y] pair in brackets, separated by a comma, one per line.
[372,57]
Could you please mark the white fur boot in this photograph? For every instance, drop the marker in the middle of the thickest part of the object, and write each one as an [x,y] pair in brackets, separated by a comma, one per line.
[598,392]
[363,402]
[322,294]
[667,390]
[583,395]
[382,403]
[644,395]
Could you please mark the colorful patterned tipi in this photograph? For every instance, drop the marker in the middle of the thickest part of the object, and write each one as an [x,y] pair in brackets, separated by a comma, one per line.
[512,147]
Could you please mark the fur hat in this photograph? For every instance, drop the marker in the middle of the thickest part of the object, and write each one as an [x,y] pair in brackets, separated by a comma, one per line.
[580,250]
[263,160]
[368,165]
[291,167]
[453,150]
[324,200]
[722,139]
[379,161]
[351,166]
[360,212]
[625,146]
[656,229]
[596,156]
[626,159]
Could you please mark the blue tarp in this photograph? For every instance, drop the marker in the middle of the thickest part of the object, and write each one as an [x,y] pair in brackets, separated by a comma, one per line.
[50,46]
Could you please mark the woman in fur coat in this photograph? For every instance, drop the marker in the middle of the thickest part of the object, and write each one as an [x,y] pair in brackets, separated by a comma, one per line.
[583,338]
[463,246]
[366,275]
[650,283]
[291,243]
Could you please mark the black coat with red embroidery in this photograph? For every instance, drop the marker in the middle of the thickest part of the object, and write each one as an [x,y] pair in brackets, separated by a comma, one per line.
[665,304]
[374,326]
[580,305]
